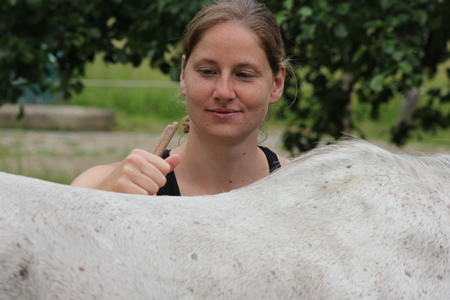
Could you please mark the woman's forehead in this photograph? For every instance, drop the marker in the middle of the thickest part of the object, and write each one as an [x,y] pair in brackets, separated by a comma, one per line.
[229,41]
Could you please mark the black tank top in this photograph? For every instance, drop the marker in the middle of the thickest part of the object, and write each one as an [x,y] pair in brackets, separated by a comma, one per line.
[171,188]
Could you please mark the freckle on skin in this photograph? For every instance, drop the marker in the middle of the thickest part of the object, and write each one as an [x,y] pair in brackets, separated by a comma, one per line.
[231,181]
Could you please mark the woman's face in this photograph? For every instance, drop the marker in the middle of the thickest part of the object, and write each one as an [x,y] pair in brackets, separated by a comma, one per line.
[228,84]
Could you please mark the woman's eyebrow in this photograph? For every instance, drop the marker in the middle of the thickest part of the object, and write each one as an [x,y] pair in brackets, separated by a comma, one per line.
[251,65]
[213,61]
[205,60]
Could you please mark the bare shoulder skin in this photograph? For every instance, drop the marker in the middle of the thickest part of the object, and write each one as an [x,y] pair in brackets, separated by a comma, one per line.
[92,177]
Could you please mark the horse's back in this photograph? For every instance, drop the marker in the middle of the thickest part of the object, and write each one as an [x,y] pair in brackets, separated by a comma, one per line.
[341,222]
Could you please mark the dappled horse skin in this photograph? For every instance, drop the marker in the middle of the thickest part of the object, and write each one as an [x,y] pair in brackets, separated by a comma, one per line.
[343,221]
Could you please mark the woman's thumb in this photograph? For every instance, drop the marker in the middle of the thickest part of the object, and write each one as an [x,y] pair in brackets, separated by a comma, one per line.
[173,161]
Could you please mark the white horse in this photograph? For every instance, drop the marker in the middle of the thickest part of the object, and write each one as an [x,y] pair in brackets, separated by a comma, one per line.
[341,222]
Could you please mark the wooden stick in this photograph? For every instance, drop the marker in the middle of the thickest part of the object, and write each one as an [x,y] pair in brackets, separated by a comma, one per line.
[165,139]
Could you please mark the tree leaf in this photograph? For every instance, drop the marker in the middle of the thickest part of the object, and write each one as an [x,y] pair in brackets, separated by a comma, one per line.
[360,52]
[343,9]
[372,26]
[308,31]
[406,67]
[340,31]
[398,55]
[421,16]
[389,46]
[376,83]
[305,11]
[281,17]
[397,20]
[93,33]
[288,4]
[385,4]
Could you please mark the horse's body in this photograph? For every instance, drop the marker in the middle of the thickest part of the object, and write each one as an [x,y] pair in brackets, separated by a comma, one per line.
[340,222]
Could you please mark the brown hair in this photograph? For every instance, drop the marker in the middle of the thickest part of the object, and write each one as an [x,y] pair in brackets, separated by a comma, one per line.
[249,13]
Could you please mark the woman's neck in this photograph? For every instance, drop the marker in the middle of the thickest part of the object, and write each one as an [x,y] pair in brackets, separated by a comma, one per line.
[210,167]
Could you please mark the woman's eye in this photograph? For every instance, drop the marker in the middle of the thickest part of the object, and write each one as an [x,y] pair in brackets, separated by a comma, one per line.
[244,75]
[207,72]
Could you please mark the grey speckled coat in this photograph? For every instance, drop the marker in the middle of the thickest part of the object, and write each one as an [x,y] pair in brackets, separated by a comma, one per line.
[341,222]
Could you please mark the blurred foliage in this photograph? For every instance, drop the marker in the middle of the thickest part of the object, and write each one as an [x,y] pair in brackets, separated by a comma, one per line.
[345,50]
[38,36]
[365,50]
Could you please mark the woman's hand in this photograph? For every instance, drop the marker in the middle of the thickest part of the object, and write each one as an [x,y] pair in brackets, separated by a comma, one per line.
[139,173]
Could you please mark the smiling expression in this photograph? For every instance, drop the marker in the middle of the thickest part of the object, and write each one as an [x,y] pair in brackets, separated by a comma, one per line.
[228,83]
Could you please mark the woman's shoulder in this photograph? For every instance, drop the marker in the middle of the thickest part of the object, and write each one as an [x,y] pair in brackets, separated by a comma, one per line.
[283,160]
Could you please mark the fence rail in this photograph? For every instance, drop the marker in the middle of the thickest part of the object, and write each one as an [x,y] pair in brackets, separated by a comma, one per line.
[131,83]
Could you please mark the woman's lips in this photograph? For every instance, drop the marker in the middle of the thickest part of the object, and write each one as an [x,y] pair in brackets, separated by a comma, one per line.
[223,114]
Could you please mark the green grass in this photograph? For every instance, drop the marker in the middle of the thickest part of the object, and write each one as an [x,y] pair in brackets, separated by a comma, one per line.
[380,129]
[137,109]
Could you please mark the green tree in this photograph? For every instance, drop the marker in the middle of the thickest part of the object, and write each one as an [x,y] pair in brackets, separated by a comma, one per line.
[38,37]
[365,49]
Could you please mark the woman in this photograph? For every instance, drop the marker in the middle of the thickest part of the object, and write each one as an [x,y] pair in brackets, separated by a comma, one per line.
[233,68]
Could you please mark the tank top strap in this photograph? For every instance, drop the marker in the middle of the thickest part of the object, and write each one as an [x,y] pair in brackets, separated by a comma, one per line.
[272,158]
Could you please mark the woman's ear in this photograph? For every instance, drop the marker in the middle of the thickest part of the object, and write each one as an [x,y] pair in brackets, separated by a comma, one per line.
[182,83]
[278,86]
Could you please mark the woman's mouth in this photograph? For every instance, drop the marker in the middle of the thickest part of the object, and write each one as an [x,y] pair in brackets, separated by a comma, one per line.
[223,114]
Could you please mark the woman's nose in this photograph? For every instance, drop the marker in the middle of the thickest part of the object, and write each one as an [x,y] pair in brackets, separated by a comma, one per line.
[224,89]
